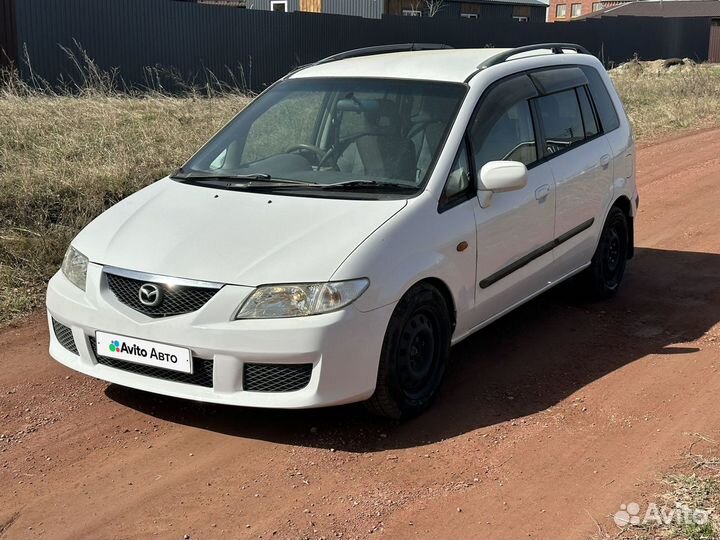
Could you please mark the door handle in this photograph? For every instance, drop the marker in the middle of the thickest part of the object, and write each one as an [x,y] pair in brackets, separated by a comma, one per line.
[542,192]
[605,161]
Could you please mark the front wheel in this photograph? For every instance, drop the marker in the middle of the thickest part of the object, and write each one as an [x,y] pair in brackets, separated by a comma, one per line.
[604,275]
[414,354]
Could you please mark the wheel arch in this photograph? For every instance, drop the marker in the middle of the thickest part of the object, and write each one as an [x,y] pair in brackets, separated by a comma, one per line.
[443,288]
[624,204]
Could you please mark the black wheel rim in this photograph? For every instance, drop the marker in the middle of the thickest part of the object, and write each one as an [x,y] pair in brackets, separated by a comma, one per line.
[614,256]
[418,357]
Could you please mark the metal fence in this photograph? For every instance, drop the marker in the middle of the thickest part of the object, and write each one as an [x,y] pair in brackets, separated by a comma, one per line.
[8,39]
[257,47]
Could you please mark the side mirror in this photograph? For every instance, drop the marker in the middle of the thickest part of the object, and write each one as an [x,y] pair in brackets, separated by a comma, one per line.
[499,177]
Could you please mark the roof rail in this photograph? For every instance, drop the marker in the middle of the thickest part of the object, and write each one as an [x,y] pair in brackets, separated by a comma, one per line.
[382,49]
[555,48]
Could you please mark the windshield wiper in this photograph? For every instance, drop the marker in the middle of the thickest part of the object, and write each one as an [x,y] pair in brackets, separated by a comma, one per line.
[243,181]
[200,176]
[265,181]
[364,184]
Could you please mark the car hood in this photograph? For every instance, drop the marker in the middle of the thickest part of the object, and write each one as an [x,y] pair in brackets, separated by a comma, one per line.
[231,237]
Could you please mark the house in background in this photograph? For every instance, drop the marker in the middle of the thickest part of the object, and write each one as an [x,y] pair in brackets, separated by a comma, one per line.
[563,10]
[665,8]
[518,10]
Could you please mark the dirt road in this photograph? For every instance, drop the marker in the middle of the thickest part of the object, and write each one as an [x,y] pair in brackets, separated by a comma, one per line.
[549,419]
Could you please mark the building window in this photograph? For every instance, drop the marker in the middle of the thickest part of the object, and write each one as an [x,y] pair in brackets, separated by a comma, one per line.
[469,15]
[279,5]
[597,6]
[520,19]
[561,11]
[576,10]
[411,13]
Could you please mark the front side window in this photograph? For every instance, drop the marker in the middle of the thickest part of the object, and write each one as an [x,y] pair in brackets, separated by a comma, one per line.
[316,132]
[561,120]
[503,128]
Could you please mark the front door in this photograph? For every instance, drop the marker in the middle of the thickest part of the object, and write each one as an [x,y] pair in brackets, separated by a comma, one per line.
[514,229]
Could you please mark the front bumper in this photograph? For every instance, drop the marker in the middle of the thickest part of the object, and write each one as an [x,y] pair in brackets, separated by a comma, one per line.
[343,347]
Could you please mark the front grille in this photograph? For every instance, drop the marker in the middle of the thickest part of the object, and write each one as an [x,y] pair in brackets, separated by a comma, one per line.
[64,336]
[202,374]
[276,377]
[176,299]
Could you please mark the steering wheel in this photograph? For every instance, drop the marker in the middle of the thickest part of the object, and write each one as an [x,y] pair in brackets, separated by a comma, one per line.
[318,153]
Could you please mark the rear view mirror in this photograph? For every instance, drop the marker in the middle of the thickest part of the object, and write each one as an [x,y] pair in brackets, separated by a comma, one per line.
[499,177]
[356,105]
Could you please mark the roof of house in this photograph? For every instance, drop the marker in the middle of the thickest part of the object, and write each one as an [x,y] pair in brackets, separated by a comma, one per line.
[665,8]
[538,3]
[451,65]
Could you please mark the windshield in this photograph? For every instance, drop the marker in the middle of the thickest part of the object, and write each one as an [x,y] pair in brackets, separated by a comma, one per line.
[332,134]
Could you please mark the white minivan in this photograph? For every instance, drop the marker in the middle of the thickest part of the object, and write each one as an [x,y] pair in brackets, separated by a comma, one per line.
[358,218]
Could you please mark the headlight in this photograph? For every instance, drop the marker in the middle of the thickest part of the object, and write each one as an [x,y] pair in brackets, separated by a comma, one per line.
[282,301]
[74,267]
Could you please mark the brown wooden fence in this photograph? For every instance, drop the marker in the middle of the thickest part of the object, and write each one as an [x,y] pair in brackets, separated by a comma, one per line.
[714,49]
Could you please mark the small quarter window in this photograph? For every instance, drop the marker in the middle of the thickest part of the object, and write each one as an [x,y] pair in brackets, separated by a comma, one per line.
[458,185]
[561,120]
[609,120]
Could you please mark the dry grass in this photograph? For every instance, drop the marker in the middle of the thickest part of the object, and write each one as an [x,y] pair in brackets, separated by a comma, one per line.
[63,160]
[693,485]
[660,101]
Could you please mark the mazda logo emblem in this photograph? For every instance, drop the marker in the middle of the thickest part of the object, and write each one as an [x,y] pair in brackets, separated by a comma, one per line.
[150,295]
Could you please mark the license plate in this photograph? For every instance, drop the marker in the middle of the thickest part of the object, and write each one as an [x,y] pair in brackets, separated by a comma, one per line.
[147,353]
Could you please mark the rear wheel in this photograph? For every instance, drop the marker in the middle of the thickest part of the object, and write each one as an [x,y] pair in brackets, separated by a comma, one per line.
[414,354]
[604,275]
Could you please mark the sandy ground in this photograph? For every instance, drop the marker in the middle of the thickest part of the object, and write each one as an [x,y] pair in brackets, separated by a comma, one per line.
[548,421]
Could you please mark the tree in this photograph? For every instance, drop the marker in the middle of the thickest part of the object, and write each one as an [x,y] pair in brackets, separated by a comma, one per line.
[429,8]
[433,7]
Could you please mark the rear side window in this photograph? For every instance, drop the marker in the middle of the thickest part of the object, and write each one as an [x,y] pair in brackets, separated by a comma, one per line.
[561,119]
[603,103]
[591,127]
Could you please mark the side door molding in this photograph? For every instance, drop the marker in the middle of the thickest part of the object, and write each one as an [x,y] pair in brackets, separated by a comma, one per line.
[539,252]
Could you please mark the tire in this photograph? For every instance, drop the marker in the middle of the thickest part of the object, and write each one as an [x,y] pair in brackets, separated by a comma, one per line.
[602,278]
[414,355]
